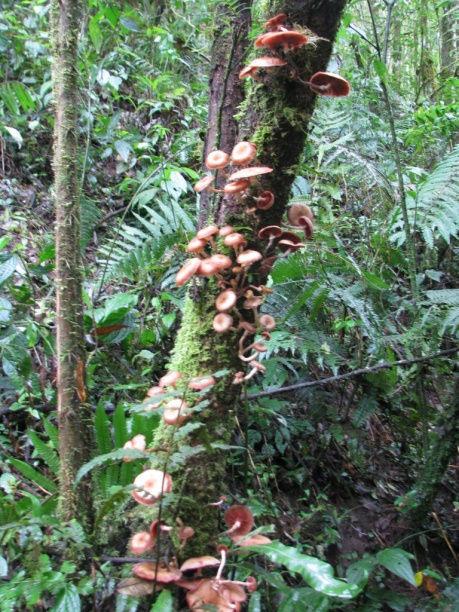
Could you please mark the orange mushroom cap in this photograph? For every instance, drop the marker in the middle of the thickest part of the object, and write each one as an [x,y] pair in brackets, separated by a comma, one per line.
[298,210]
[188,270]
[287,40]
[239,520]
[270,231]
[206,233]
[140,543]
[223,262]
[267,321]
[226,300]
[208,267]
[236,186]
[203,183]
[225,230]
[329,84]
[265,200]
[195,563]
[251,172]
[256,540]
[195,245]
[170,379]
[201,382]
[307,226]
[152,484]
[160,573]
[273,24]
[176,412]
[249,257]
[243,153]
[222,322]
[217,160]
[234,240]
[266,61]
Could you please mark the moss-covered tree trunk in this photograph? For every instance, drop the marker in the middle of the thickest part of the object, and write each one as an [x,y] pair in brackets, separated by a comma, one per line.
[74,414]
[275,115]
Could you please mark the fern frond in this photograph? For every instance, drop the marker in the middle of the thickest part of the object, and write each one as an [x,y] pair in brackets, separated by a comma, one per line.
[434,212]
[45,452]
[90,217]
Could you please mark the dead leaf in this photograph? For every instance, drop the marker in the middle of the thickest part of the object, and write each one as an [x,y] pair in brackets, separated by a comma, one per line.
[135,587]
[79,379]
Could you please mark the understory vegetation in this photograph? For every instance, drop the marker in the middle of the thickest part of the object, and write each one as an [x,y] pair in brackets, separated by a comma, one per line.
[345,449]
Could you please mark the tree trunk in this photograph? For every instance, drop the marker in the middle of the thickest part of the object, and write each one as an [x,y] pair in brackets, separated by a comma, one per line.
[275,115]
[449,38]
[74,415]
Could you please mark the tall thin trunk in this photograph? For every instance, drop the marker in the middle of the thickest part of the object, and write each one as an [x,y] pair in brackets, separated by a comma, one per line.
[449,55]
[74,414]
[275,115]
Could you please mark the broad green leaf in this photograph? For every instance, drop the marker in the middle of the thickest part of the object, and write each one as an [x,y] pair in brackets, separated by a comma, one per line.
[164,603]
[380,68]
[34,475]
[5,311]
[116,455]
[123,149]
[304,599]
[397,561]
[95,33]
[255,602]
[15,135]
[317,573]
[360,571]
[67,600]
[8,267]
[375,281]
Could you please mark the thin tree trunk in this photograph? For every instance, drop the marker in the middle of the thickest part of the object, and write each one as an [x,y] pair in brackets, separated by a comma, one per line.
[449,38]
[275,115]
[74,415]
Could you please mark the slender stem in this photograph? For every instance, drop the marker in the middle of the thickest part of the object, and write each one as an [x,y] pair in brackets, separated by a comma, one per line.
[359,372]
[411,246]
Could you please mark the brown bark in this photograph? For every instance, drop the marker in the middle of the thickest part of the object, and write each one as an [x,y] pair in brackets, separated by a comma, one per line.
[226,91]
[74,414]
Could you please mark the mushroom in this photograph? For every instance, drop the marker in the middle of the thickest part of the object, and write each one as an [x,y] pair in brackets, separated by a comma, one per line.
[207,233]
[267,322]
[223,262]
[287,40]
[196,245]
[152,484]
[138,442]
[239,520]
[208,267]
[236,186]
[226,300]
[225,230]
[140,543]
[154,571]
[307,226]
[216,594]
[195,563]
[256,540]
[176,412]
[201,382]
[248,173]
[249,257]
[298,210]
[170,379]
[329,84]
[217,160]
[265,200]
[243,153]
[204,183]
[188,270]
[261,62]
[185,534]
[273,24]
[270,233]
[222,322]
[234,240]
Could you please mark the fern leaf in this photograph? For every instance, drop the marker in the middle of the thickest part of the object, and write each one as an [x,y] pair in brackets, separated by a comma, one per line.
[34,475]
[46,453]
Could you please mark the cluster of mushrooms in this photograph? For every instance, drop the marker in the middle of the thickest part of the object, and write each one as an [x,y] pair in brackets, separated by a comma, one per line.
[222,253]
[154,571]
[280,39]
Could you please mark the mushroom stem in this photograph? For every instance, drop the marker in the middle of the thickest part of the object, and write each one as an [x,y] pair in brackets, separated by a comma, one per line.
[233,528]
[222,564]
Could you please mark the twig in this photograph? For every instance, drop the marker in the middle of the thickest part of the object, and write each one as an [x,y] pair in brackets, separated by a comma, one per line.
[360,372]
[445,537]
[121,560]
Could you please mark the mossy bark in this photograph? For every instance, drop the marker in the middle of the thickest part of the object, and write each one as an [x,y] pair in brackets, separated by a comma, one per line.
[275,115]
[74,414]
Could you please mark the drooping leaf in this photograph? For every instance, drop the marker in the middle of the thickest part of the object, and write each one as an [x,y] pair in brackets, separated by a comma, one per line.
[116,455]
[318,574]
[48,454]
[34,475]
[397,561]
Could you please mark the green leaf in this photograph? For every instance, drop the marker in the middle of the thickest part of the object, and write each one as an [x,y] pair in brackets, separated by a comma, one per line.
[116,455]
[380,69]
[397,561]
[48,455]
[67,600]
[15,135]
[123,149]
[34,475]
[8,267]
[164,603]
[317,573]
[255,602]
[305,600]
[375,281]
[5,310]
[95,33]
[3,567]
